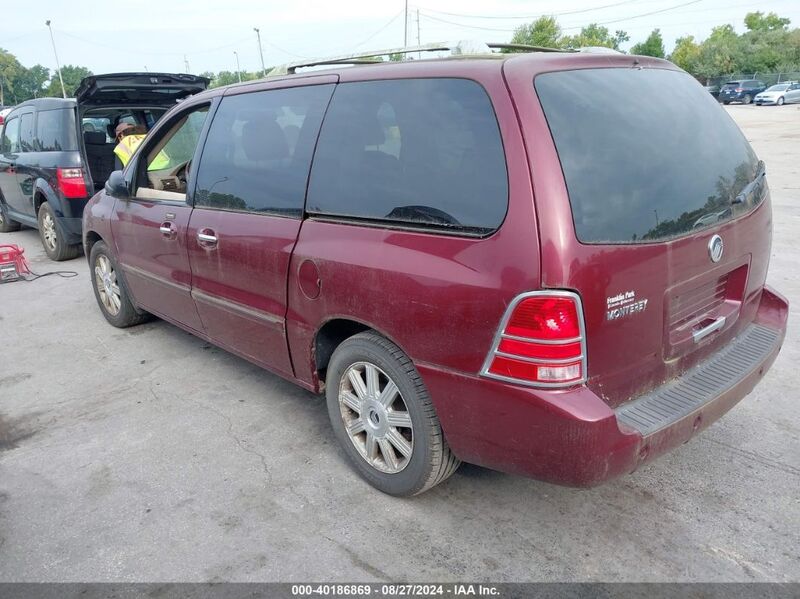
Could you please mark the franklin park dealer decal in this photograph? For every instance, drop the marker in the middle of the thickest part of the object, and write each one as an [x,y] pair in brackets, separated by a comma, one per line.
[624,304]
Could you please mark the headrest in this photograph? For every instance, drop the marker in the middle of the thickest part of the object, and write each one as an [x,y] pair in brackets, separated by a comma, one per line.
[263,139]
[94,138]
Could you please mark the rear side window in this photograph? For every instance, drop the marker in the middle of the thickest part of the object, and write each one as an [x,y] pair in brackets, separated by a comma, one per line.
[56,130]
[26,136]
[419,152]
[642,164]
[10,141]
[258,150]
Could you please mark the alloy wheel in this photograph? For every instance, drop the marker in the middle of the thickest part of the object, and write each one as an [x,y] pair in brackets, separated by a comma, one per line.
[49,231]
[105,278]
[376,417]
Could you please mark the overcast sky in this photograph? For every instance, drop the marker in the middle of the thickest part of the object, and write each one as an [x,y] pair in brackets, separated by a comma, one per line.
[131,36]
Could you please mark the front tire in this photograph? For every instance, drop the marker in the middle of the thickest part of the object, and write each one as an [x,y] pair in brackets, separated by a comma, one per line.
[110,291]
[6,224]
[780,101]
[52,240]
[383,417]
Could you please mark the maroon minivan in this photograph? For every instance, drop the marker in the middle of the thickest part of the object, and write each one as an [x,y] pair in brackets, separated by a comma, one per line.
[539,263]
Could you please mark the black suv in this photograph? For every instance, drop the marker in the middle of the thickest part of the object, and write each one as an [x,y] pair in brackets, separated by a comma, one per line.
[55,153]
[741,91]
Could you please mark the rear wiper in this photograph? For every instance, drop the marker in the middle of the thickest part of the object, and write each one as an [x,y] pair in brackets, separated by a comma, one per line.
[753,186]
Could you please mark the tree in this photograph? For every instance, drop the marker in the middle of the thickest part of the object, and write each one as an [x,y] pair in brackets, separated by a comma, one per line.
[10,69]
[596,35]
[686,54]
[720,54]
[652,46]
[758,21]
[31,82]
[544,32]
[72,75]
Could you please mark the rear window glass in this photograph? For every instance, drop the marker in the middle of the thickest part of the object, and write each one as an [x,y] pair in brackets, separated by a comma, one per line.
[422,152]
[647,154]
[56,130]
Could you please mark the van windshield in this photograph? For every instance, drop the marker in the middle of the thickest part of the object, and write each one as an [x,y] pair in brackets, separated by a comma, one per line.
[647,154]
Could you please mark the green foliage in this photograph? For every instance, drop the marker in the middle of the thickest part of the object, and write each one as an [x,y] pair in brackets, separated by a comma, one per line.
[72,75]
[652,46]
[686,53]
[595,35]
[228,77]
[758,21]
[544,32]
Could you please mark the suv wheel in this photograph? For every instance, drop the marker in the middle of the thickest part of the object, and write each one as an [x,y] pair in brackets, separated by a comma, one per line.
[54,244]
[747,99]
[6,224]
[109,290]
[383,417]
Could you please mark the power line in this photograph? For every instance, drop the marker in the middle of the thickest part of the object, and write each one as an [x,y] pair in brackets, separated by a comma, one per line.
[554,14]
[392,20]
[620,20]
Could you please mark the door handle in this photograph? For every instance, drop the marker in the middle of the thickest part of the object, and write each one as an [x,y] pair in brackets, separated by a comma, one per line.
[167,230]
[207,237]
[698,336]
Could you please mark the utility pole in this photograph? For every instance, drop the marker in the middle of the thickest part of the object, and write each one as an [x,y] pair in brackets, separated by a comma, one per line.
[186,63]
[419,54]
[260,52]
[238,70]
[405,28]
[58,67]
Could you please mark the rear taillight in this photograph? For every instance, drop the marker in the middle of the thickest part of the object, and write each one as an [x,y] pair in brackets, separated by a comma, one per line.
[71,182]
[739,89]
[541,341]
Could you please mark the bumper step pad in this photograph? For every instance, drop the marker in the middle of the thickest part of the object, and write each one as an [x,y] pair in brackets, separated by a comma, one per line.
[701,384]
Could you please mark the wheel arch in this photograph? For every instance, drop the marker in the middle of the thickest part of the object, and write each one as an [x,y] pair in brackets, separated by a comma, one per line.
[332,333]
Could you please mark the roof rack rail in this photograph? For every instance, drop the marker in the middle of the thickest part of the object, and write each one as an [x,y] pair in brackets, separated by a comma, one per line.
[457,48]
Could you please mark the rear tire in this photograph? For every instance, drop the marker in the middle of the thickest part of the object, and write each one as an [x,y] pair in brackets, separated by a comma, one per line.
[747,99]
[6,224]
[385,422]
[52,240]
[726,102]
[110,291]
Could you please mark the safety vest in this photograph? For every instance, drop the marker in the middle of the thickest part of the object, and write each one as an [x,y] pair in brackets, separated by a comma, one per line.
[127,146]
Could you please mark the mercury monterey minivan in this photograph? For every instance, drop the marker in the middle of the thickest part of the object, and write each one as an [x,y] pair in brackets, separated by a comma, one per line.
[539,263]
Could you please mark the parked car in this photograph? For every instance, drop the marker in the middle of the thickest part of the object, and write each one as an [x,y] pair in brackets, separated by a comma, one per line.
[712,89]
[4,110]
[55,153]
[741,91]
[459,254]
[780,94]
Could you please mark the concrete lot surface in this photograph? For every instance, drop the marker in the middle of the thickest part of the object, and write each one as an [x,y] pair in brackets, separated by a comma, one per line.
[148,455]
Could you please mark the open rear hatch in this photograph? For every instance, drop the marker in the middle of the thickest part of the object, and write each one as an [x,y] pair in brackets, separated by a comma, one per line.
[660,222]
[146,89]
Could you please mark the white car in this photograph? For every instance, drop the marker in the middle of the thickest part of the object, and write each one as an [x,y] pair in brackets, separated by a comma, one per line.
[782,93]
[4,112]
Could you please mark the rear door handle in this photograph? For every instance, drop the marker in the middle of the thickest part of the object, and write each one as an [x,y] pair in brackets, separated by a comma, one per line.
[207,238]
[698,336]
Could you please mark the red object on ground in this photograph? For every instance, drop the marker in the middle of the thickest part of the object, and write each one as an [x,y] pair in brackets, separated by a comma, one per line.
[12,263]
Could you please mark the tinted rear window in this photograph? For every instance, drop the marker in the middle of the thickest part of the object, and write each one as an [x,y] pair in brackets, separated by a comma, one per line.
[420,152]
[647,154]
[55,130]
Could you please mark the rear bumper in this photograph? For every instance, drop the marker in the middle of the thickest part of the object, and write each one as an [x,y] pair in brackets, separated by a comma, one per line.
[572,437]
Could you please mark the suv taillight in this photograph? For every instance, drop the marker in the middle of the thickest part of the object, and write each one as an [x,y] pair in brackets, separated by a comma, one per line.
[541,341]
[739,89]
[71,182]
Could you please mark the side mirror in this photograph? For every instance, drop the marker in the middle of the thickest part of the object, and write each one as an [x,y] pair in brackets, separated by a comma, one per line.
[117,187]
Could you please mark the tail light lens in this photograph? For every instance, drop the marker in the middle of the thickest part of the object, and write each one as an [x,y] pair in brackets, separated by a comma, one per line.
[541,341]
[71,182]
[739,89]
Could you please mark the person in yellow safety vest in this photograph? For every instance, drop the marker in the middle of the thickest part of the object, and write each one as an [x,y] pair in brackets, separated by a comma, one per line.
[128,139]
